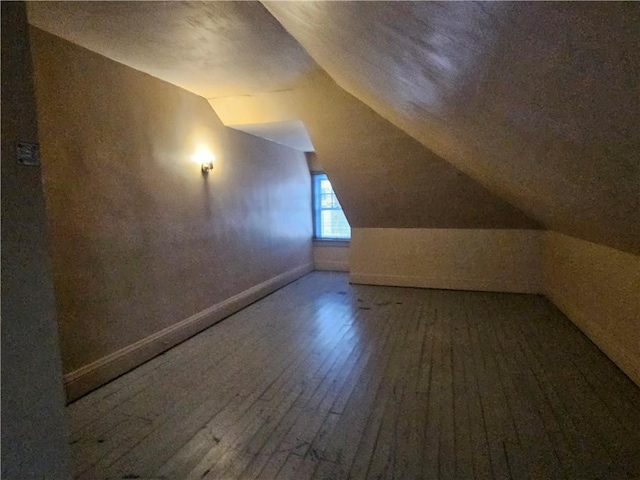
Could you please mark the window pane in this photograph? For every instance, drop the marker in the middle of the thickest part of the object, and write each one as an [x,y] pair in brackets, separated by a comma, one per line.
[335,225]
[325,186]
[330,220]
[326,200]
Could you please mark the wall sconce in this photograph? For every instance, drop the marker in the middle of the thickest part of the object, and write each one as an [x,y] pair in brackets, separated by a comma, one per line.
[206,167]
[205,158]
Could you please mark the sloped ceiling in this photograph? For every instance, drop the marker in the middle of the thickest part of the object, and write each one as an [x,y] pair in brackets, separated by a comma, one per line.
[538,101]
[382,176]
[213,49]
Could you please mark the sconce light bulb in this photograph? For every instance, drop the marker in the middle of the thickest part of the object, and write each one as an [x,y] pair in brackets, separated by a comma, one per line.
[205,158]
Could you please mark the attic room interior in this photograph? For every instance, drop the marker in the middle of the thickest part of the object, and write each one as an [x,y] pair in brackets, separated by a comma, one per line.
[295,240]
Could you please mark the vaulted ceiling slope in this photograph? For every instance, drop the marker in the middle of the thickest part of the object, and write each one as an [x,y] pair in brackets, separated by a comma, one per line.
[538,101]
[258,74]
[213,49]
[382,176]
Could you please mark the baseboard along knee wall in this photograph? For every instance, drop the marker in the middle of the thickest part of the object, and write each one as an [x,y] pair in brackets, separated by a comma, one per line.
[95,374]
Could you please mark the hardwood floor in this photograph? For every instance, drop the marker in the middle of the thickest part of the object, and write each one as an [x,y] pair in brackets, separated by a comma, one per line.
[323,379]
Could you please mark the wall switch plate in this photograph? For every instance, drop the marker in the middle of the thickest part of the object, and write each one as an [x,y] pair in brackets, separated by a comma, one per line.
[28,153]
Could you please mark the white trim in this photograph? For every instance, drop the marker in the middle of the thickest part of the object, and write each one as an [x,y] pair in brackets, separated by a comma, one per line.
[88,377]
[446,283]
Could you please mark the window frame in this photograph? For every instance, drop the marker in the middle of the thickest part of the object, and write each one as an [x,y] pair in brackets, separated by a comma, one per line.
[316,210]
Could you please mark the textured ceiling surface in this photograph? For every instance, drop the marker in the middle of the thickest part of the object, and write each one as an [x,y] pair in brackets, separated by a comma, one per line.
[213,49]
[538,101]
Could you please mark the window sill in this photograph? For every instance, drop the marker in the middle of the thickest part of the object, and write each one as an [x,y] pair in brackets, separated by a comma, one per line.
[328,242]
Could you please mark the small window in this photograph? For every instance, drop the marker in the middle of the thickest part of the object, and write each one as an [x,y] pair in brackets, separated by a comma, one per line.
[329,220]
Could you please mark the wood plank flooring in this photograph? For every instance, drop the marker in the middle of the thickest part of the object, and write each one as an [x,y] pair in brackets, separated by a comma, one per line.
[326,380]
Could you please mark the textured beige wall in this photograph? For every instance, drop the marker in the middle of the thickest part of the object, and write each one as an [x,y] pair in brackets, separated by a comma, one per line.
[34,436]
[598,288]
[458,259]
[141,240]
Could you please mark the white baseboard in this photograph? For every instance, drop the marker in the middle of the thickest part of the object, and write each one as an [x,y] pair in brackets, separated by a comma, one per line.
[627,361]
[101,371]
[446,283]
[332,266]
